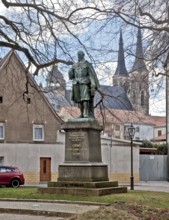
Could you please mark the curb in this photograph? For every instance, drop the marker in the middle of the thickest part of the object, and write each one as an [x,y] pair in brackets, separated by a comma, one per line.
[36,212]
[56,201]
[52,213]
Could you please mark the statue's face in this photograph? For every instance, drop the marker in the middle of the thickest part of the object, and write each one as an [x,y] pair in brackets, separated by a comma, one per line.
[80,55]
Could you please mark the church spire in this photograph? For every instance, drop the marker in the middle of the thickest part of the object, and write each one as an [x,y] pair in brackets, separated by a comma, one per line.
[139,64]
[121,67]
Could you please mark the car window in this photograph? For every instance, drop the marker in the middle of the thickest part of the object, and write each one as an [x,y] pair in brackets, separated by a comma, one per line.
[8,170]
[2,170]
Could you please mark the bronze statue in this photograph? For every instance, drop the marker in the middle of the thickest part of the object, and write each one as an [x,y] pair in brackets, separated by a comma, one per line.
[84,85]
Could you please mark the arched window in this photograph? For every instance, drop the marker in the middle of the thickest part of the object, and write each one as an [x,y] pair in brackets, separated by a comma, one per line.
[142,98]
[134,97]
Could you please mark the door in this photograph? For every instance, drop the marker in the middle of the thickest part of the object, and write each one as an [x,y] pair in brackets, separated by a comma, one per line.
[45,169]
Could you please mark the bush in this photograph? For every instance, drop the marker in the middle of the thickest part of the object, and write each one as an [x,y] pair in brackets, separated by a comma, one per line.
[161,148]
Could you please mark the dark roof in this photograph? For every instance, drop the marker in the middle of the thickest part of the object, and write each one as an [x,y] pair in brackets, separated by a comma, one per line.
[115,97]
[139,64]
[121,67]
[58,100]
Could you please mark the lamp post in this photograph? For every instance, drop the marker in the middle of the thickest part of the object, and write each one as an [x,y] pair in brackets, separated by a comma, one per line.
[131,131]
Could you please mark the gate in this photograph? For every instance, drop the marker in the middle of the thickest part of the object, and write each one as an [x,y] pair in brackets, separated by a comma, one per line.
[153,167]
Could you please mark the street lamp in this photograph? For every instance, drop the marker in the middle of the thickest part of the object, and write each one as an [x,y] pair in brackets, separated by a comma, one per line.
[131,131]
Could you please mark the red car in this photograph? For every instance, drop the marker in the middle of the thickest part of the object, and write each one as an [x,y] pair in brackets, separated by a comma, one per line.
[11,176]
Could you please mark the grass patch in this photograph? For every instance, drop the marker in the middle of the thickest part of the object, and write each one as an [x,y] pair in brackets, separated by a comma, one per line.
[142,205]
[152,199]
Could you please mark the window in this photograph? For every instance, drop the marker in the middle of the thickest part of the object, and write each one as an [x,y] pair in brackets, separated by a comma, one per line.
[1,160]
[2,131]
[159,133]
[142,98]
[1,99]
[134,97]
[38,132]
[117,127]
[2,170]
[137,129]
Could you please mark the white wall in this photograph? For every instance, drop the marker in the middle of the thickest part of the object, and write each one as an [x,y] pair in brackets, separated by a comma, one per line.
[143,131]
[161,128]
[115,154]
[118,155]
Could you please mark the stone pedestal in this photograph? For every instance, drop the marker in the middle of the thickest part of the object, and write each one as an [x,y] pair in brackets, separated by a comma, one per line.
[83,171]
[83,160]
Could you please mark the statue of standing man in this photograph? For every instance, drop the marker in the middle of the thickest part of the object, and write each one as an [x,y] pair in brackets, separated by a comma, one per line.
[84,85]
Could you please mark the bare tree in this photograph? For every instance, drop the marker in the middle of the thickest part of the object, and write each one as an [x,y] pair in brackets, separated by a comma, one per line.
[38,28]
[49,31]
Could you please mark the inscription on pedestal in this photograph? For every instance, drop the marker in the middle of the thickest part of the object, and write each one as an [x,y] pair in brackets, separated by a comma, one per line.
[76,141]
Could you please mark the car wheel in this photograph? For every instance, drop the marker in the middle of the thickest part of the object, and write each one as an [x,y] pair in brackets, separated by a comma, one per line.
[15,183]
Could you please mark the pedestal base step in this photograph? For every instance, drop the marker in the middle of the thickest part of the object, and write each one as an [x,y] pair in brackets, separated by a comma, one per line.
[100,184]
[83,191]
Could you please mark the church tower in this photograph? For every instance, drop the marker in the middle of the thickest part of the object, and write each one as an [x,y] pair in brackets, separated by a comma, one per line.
[138,91]
[55,81]
[121,75]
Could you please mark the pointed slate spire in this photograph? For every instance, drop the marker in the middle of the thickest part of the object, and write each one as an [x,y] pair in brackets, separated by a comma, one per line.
[121,67]
[139,64]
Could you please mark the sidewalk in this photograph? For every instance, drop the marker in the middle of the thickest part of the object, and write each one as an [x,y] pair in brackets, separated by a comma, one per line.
[158,186]
[45,208]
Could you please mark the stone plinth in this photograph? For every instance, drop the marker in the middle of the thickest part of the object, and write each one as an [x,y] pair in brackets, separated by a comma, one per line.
[83,160]
[83,171]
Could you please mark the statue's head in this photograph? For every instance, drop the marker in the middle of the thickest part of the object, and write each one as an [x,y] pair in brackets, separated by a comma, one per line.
[80,55]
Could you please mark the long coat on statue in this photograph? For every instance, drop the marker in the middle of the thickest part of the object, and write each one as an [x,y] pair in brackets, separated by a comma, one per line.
[85,81]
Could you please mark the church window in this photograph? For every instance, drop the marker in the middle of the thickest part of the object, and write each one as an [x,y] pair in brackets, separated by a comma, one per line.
[134,97]
[57,84]
[142,98]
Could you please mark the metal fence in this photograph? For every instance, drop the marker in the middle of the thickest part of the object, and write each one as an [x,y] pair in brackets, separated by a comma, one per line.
[153,167]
